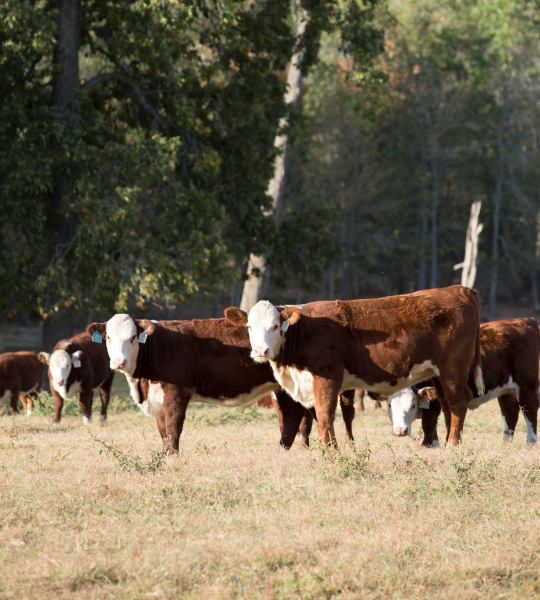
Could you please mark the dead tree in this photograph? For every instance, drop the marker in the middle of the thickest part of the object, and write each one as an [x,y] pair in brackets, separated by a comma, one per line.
[468,275]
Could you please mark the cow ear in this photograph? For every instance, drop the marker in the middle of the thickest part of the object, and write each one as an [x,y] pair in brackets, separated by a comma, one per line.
[428,394]
[76,358]
[291,314]
[99,327]
[144,329]
[44,357]
[236,316]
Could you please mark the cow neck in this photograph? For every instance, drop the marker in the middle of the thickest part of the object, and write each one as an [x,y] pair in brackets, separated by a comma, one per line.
[289,351]
[145,365]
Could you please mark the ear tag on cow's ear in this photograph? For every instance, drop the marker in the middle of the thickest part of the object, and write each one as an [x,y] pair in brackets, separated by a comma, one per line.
[424,403]
[76,363]
[96,337]
[285,325]
[142,337]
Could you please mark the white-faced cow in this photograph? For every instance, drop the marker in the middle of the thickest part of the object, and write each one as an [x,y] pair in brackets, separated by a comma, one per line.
[380,345]
[169,364]
[21,374]
[510,352]
[76,365]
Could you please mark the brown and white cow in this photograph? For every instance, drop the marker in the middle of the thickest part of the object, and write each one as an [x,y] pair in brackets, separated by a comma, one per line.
[76,365]
[381,345]
[510,352]
[21,374]
[169,364]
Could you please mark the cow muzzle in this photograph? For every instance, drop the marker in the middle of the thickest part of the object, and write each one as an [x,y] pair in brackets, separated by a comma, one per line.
[261,354]
[59,382]
[118,363]
[401,431]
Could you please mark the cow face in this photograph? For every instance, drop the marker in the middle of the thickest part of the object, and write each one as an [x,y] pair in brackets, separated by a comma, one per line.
[60,365]
[122,336]
[403,410]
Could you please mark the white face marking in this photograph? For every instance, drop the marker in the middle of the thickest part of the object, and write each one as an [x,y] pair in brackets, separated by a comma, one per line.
[74,388]
[153,405]
[508,388]
[508,436]
[403,410]
[298,384]
[532,438]
[265,334]
[60,368]
[122,343]
[240,400]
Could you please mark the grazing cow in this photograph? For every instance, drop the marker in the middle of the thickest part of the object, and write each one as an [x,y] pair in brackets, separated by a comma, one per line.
[76,365]
[169,364]
[510,352]
[381,345]
[21,374]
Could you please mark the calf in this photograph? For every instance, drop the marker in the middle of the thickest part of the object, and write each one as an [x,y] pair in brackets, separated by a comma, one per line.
[21,374]
[510,352]
[76,365]
[169,364]
[381,345]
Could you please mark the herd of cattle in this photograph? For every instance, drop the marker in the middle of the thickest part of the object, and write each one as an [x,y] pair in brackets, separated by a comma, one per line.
[422,352]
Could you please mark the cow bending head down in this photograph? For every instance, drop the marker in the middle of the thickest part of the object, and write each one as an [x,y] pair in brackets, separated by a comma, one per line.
[122,335]
[407,405]
[266,327]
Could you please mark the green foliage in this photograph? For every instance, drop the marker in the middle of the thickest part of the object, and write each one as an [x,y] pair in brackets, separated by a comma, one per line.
[351,462]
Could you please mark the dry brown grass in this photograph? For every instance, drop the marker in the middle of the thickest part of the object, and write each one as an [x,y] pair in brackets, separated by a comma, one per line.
[232,518]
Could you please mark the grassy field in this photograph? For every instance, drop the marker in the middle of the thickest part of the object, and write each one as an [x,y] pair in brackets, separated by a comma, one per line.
[98,512]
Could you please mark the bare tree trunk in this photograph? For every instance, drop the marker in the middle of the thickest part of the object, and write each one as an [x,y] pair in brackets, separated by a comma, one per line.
[534,274]
[497,208]
[422,278]
[468,275]
[257,264]
[434,207]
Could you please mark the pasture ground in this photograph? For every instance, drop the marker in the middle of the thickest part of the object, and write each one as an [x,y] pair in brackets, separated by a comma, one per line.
[98,512]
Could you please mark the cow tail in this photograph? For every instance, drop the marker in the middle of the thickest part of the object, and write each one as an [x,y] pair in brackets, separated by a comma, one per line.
[478,375]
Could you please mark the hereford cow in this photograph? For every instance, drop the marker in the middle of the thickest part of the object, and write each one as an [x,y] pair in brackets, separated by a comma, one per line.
[382,345]
[76,365]
[169,364]
[21,374]
[510,352]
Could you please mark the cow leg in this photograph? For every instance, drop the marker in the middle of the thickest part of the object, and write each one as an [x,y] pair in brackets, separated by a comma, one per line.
[175,403]
[30,402]
[510,413]
[346,401]
[361,407]
[290,414]
[457,395]
[14,409]
[444,406]
[105,393]
[306,425]
[58,404]
[85,402]
[378,404]
[528,401]
[326,393]
[23,402]
[161,427]
[430,416]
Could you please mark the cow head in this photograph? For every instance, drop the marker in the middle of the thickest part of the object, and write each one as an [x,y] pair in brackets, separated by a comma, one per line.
[60,364]
[406,405]
[266,327]
[122,335]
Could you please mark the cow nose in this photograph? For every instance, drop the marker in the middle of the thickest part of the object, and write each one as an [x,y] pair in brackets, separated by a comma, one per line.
[59,381]
[400,431]
[119,363]
[261,352]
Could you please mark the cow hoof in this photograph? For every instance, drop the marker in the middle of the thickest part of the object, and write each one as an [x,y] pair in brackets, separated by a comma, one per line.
[28,413]
[281,448]
[87,421]
[436,444]
[102,418]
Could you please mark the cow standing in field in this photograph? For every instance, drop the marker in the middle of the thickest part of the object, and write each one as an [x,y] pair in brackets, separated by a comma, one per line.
[380,345]
[77,365]
[169,364]
[21,374]
[510,352]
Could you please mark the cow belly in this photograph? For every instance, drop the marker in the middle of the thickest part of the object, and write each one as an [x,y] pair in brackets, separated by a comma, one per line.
[30,390]
[66,394]
[511,387]
[153,405]
[241,399]
[418,373]
[298,384]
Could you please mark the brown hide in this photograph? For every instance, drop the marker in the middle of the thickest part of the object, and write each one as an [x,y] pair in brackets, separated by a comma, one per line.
[94,372]
[380,340]
[20,372]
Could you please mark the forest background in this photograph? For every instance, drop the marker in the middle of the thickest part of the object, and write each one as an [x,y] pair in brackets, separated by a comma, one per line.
[137,144]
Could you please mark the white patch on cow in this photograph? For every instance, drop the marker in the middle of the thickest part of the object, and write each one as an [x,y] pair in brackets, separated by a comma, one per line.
[6,397]
[508,435]
[479,380]
[59,369]
[133,388]
[240,400]
[74,388]
[153,405]
[86,420]
[508,388]
[28,412]
[122,343]
[264,328]
[298,384]
[532,438]
[402,411]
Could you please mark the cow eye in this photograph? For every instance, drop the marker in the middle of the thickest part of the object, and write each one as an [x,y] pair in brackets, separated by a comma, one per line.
[274,327]
[249,327]
[414,406]
[108,339]
[133,339]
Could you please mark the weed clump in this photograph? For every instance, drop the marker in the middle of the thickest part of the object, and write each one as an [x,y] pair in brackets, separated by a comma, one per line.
[350,463]
[131,461]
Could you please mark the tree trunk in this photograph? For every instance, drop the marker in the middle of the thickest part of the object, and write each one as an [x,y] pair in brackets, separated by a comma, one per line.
[534,274]
[64,97]
[434,207]
[257,264]
[468,275]
[422,278]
